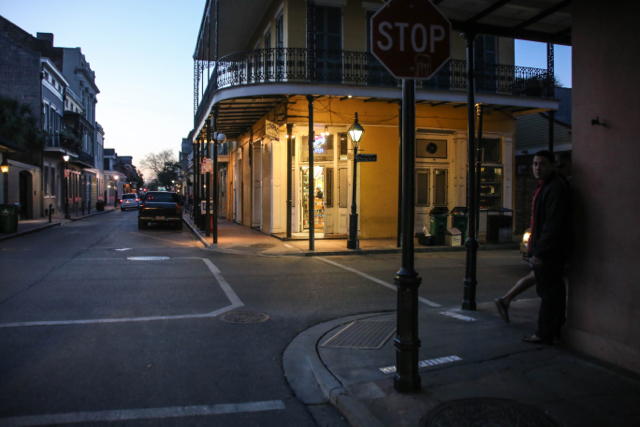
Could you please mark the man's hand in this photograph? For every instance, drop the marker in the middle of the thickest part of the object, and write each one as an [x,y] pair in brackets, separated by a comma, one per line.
[536,262]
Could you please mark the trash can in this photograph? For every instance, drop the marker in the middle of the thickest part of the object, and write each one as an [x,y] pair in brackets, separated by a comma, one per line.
[9,215]
[438,224]
[500,225]
[100,205]
[460,220]
[424,238]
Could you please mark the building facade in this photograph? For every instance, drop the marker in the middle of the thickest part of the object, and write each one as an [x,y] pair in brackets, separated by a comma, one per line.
[304,73]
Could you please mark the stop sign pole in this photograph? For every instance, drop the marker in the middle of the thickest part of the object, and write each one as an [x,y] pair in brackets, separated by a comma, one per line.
[411,38]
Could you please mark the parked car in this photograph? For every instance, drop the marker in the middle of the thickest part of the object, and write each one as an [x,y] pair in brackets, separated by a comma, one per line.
[160,207]
[524,245]
[129,201]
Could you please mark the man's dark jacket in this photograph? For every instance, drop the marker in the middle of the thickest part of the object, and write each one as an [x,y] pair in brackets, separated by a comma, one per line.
[552,235]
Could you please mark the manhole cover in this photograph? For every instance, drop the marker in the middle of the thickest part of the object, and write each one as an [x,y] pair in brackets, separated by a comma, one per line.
[487,413]
[244,317]
[366,334]
[263,245]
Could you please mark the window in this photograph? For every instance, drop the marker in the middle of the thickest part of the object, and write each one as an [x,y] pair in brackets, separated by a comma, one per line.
[431,148]
[46,180]
[344,145]
[422,188]
[440,187]
[328,39]
[328,188]
[342,187]
[280,31]
[491,179]
[492,148]
[53,182]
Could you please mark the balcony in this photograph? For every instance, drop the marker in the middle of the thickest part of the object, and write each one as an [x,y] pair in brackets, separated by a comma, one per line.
[299,65]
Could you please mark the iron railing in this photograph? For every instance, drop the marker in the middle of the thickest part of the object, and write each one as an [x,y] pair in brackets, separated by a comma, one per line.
[300,65]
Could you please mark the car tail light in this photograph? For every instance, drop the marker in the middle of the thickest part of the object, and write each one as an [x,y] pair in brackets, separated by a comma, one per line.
[177,208]
[142,208]
[120,200]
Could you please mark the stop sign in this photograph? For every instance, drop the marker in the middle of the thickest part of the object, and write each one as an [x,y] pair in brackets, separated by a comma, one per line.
[411,38]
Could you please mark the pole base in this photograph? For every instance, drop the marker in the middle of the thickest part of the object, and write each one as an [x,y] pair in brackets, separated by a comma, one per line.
[353,242]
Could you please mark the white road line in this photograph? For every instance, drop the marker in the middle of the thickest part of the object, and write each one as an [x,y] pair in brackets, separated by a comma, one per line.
[289,246]
[378,281]
[425,363]
[458,316]
[231,295]
[141,414]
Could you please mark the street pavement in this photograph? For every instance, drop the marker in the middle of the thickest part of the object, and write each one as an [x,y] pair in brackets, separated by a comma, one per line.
[475,370]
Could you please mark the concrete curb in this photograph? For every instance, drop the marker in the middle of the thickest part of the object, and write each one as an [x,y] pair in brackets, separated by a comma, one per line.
[313,383]
[197,233]
[33,230]
[90,215]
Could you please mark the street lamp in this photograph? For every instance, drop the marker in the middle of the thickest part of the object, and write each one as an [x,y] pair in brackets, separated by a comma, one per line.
[5,171]
[66,186]
[355,132]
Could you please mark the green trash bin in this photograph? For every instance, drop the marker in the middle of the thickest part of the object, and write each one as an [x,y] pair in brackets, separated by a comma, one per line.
[460,220]
[9,215]
[438,224]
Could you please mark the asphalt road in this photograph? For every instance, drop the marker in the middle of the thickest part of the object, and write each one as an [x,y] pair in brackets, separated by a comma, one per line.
[105,324]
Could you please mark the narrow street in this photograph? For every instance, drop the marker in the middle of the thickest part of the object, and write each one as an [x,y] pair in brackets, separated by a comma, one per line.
[102,322]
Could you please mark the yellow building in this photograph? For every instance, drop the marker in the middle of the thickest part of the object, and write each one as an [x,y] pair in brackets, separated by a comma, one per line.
[285,67]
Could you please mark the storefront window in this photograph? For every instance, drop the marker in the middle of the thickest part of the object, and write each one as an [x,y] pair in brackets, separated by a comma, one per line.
[322,148]
[491,179]
[422,188]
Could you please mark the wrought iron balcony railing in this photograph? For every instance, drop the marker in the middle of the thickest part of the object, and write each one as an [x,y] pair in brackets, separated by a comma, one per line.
[299,65]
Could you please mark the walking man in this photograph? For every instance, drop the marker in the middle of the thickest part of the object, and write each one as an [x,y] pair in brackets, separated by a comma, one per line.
[550,246]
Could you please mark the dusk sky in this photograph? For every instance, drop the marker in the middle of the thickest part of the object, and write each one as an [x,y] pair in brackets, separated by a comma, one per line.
[141,52]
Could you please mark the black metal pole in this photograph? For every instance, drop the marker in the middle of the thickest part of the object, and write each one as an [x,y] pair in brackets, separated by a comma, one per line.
[196,181]
[407,280]
[207,189]
[289,176]
[67,215]
[399,237]
[312,200]
[353,242]
[215,191]
[480,155]
[470,282]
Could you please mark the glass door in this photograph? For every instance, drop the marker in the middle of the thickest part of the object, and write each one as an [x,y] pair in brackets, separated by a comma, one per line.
[319,198]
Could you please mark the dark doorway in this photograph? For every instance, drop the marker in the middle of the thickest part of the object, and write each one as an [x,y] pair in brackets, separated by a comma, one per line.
[26,197]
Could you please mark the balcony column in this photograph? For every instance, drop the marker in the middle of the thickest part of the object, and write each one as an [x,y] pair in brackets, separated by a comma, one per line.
[289,176]
[312,201]
[470,282]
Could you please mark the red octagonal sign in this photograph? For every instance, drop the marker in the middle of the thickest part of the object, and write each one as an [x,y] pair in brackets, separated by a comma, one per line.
[411,38]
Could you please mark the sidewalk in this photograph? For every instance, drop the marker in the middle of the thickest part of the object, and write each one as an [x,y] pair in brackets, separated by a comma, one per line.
[241,240]
[34,225]
[475,371]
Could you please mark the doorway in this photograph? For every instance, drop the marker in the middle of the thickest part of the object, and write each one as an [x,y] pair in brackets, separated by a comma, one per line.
[431,190]
[26,198]
[319,198]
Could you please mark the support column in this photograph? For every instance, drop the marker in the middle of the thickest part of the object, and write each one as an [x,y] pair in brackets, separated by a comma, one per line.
[207,191]
[289,177]
[407,378]
[470,282]
[399,236]
[311,180]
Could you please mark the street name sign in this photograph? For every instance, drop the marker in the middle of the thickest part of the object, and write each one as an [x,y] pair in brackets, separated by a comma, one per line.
[360,158]
[411,38]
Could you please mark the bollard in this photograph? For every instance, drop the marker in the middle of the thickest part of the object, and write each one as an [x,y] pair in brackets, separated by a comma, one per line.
[83,207]
[50,211]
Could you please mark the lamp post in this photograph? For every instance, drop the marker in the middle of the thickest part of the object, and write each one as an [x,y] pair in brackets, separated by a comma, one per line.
[5,172]
[355,132]
[115,201]
[66,186]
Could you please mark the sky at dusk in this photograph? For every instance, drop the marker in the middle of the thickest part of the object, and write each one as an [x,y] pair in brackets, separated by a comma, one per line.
[141,52]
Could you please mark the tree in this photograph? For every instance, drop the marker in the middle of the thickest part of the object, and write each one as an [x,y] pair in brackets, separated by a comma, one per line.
[161,165]
[19,125]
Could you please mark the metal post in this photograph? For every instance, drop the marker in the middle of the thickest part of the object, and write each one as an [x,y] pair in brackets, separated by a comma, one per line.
[289,176]
[470,282]
[399,236]
[312,200]
[353,242]
[196,181]
[66,192]
[50,211]
[215,183]
[407,280]
[207,190]
[479,159]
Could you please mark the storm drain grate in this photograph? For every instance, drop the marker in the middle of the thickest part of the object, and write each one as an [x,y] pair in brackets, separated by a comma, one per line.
[244,317]
[487,412]
[365,334]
